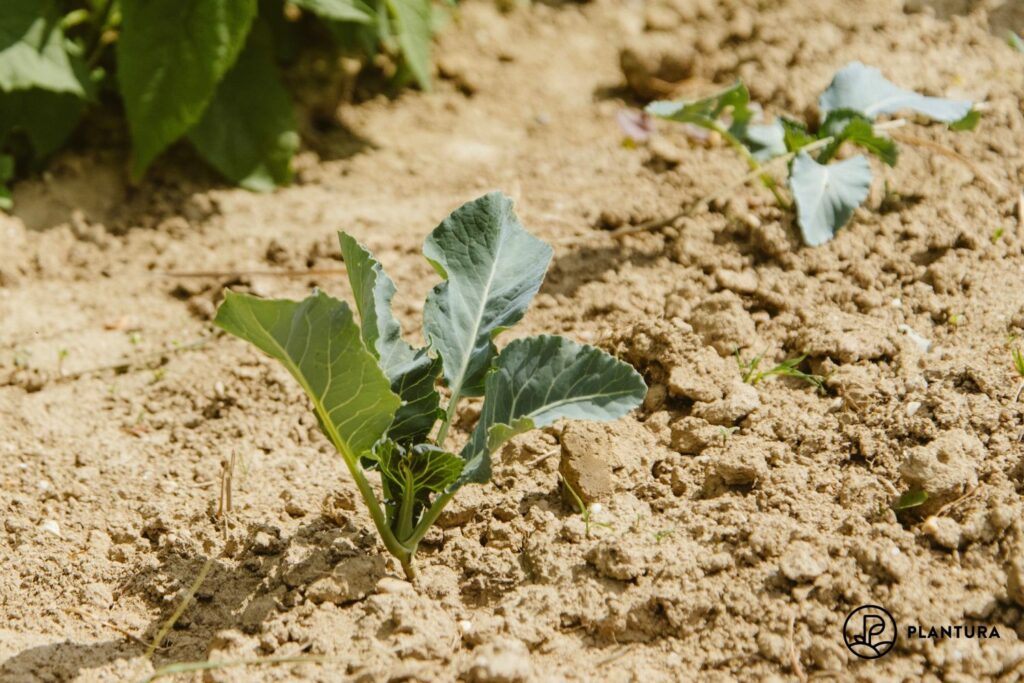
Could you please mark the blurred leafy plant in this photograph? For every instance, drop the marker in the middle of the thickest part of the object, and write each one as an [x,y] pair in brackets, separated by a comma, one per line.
[826,191]
[202,70]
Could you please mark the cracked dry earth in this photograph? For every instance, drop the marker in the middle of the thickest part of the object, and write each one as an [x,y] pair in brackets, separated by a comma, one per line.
[739,524]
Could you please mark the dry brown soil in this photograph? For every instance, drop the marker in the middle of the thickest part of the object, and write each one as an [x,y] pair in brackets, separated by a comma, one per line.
[739,525]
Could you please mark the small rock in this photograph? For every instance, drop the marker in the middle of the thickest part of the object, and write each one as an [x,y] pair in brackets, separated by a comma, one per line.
[846,337]
[266,543]
[665,152]
[741,464]
[394,586]
[802,563]
[351,579]
[690,381]
[741,400]
[51,526]
[614,559]
[586,470]
[723,322]
[945,468]
[944,531]
[294,509]
[741,282]
[501,661]
[652,64]
[691,435]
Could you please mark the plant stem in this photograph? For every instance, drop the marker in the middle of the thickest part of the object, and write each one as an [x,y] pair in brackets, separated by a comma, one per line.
[766,179]
[394,546]
[405,511]
[449,415]
[428,519]
[96,46]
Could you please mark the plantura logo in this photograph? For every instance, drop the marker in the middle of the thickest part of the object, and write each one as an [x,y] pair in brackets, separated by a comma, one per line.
[869,632]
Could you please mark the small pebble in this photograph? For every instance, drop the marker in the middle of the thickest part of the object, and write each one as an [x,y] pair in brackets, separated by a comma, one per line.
[912,408]
[923,343]
[51,526]
[466,626]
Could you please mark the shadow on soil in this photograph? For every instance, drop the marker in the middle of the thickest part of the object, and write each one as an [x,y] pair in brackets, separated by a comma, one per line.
[232,596]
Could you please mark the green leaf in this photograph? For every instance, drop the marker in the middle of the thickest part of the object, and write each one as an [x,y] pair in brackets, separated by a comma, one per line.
[33,53]
[827,195]
[968,122]
[338,10]
[248,130]
[47,118]
[538,380]
[318,342]
[910,499]
[422,469]
[864,90]
[707,111]
[6,176]
[412,26]
[492,269]
[764,140]
[1015,41]
[845,125]
[412,373]
[796,136]
[171,55]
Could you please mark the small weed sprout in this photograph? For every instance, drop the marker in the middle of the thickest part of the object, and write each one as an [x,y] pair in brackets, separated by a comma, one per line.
[826,191]
[997,235]
[662,535]
[1018,364]
[726,432]
[585,510]
[375,396]
[751,374]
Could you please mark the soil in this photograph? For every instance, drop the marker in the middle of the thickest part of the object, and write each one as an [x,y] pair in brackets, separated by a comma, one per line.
[738,525]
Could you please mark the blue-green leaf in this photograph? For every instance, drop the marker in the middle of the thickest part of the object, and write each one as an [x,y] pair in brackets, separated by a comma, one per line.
[412,373]
[248,130]
[319,343]
[492,269]
[538,380]
[827,195]
[765,141]
[863,89]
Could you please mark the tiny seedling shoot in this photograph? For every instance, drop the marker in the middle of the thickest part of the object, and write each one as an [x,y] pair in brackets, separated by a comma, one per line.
[826,191]
[376,397]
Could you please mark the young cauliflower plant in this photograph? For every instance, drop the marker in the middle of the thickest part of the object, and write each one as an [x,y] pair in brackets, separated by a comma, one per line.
[375,396]
[825,193]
